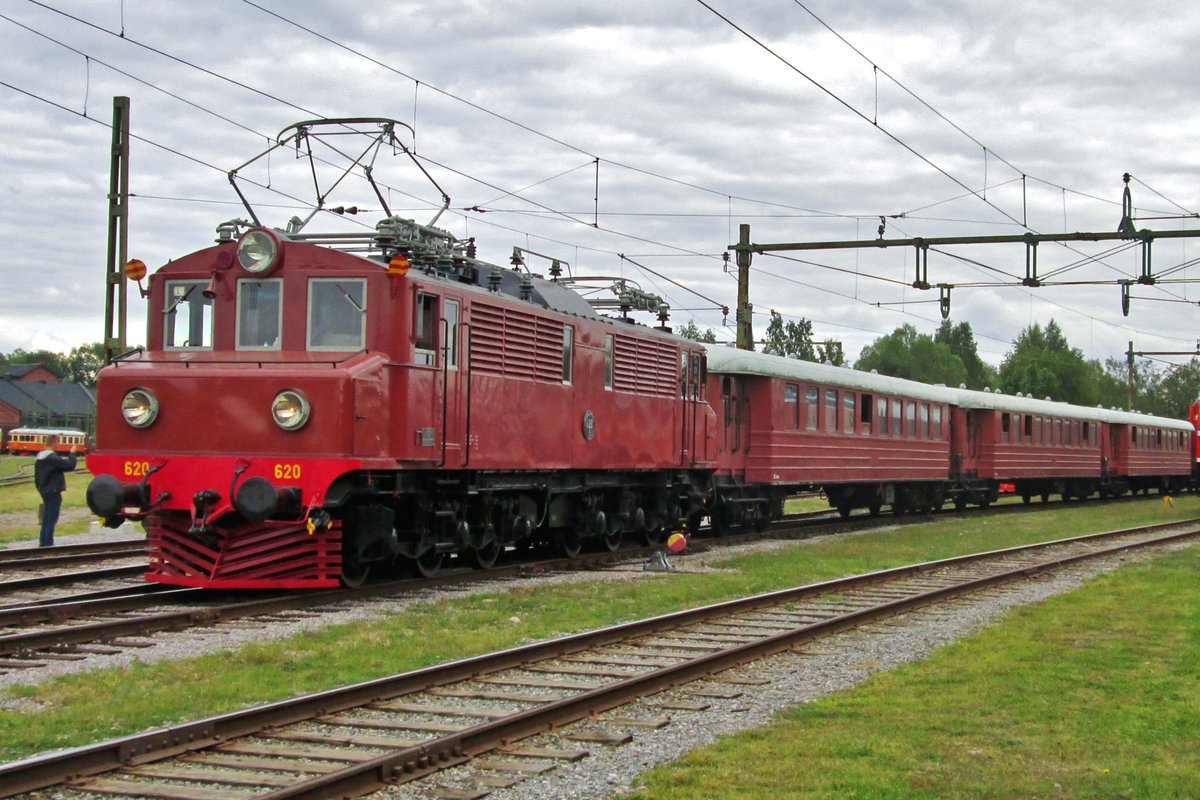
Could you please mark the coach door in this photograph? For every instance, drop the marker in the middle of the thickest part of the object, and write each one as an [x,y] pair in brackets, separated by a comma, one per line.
[734,414]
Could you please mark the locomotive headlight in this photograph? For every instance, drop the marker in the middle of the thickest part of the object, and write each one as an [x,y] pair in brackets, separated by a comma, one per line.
[258,251]
[140,407]
[290,410]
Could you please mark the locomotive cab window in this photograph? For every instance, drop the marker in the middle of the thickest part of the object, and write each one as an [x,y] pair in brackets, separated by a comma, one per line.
[426,324]
[451,322]
[608,361]
[337,313]
[187,316]
[259,314]
[568,364]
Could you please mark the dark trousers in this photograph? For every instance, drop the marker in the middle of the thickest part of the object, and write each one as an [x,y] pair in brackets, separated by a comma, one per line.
[51,505]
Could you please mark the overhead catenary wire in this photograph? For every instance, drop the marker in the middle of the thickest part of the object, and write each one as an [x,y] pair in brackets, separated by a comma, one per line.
[416,83]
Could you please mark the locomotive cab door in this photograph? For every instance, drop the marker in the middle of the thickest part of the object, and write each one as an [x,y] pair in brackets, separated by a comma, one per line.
[691,382]
[454,380]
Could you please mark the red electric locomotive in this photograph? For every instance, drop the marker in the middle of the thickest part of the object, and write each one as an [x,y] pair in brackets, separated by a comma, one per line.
[310,407]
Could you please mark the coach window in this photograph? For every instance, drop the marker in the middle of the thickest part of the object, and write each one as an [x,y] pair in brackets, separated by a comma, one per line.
[881,417]
[1005,426]
[937,422]
[831,407]
[897,418]
[1037,431]
[1087,434]
[451,315]
[866,406]
[259,314]
[811,407]
[1028,434]
[791,405]
[848,410]
[924,418]
[337,313]
[187,316]
[910,419]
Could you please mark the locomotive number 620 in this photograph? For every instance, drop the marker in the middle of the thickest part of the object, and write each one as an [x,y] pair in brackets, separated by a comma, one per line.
[287,472]
[136,469]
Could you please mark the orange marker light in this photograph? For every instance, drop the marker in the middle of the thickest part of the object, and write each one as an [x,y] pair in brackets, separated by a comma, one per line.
[135,269]
[398,265]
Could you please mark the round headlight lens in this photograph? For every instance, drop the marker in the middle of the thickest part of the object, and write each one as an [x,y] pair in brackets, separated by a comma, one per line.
[290,410]
[258,251]
[140,408]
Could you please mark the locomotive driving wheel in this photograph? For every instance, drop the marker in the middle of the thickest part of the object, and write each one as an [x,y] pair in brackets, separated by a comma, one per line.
[428,563]
[485,555]
[354,573]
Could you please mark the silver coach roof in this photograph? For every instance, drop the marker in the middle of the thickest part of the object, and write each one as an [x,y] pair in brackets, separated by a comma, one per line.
[722,359]
[747,362]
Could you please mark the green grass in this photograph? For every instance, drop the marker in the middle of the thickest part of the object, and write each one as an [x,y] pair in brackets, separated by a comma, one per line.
[13,465]
[80,709]
[1093,694]
[23,500]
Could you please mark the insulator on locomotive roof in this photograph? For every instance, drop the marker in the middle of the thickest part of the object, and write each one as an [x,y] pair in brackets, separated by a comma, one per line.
[526,287]
[494,279]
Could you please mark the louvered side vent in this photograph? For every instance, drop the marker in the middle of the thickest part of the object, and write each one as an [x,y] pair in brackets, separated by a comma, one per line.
[515,344]
[645,367]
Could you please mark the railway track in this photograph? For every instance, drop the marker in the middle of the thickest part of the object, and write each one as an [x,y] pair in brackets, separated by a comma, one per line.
[76,626]
[482,715]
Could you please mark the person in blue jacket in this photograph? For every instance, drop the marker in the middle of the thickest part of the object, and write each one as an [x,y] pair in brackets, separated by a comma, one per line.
[48,478]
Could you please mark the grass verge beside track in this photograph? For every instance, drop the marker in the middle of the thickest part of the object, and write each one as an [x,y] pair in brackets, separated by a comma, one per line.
[1092,694]
[80,709]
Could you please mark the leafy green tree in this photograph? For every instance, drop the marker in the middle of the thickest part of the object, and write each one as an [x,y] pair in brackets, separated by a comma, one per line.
[961,341]
[1179,388]
[691,331]
[791,339]
[1043,364]
[905,353]
[831,352]
[84,362]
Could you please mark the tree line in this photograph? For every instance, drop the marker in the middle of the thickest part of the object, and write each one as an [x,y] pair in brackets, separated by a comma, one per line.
[1041,363]
[80,365]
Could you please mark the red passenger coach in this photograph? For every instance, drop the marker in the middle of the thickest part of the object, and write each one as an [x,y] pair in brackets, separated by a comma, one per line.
[311,407]
[866,440]
[1039,446]
[1142,452]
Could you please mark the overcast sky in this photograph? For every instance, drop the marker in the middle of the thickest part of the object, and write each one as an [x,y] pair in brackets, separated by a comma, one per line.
[806,121]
